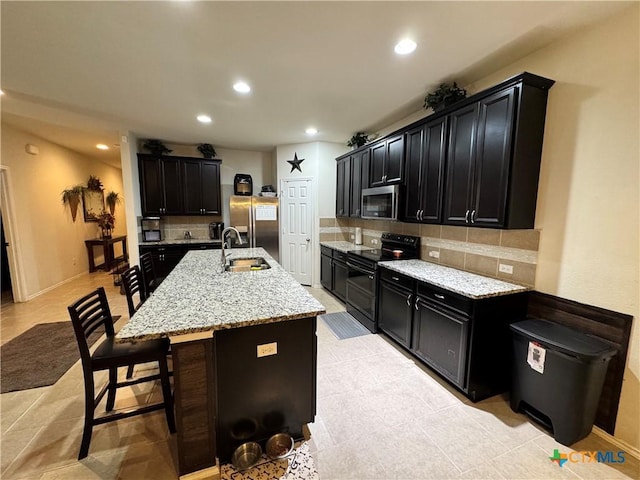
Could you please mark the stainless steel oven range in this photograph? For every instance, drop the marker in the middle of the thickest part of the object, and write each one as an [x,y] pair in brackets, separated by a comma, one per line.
[362,282]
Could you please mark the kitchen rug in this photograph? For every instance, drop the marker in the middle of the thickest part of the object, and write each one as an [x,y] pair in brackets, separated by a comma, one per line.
[297,466]
[343,325]
[40,356]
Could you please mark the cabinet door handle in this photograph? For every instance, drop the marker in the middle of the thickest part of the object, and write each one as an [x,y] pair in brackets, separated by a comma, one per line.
[417,214]
[395,278]
[441,297]
[409,300]
[473,216]
[416,304]
[370,277]
[466,217]
[421,214]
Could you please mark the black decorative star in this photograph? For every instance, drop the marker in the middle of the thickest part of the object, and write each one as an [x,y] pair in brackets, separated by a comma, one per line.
[295,163]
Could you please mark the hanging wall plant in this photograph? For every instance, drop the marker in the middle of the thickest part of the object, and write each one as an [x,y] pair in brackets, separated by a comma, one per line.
[444,96]
[156,147]
[207,150]
[71,198]
[112,199]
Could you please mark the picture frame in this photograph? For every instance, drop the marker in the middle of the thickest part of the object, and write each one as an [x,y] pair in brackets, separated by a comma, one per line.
[92,204]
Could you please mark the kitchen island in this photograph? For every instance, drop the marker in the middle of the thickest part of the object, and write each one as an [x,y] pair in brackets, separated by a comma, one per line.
[244,352]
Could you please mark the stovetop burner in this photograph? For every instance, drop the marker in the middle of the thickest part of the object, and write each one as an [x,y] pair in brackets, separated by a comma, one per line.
[393,247]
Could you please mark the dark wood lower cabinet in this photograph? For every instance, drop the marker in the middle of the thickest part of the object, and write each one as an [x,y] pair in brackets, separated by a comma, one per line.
[334,272]
[440,339]
[467,341]
[395,313]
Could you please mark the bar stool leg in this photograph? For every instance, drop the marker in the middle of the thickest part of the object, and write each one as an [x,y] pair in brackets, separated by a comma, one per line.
[111,395]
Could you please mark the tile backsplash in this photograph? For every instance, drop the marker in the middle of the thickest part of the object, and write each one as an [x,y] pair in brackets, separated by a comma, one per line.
[173,228]
[477,250]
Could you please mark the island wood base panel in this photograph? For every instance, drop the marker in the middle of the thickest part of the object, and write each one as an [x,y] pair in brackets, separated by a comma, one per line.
[194,383]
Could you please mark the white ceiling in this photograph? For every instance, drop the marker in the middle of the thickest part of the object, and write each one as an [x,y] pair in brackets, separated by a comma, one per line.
[76,73]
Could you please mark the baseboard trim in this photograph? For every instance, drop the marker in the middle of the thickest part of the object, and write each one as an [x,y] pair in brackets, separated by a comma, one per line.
[52,287]
[621,444]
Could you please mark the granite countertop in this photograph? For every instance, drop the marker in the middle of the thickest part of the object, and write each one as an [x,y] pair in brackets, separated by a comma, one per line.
[198,297]
[345,247]
[468,284]
[182,241]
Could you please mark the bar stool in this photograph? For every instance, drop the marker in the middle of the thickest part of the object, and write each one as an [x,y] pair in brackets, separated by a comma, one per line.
[151,279]
[89,314]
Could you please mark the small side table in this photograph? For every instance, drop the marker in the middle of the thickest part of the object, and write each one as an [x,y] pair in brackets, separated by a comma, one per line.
[107,248]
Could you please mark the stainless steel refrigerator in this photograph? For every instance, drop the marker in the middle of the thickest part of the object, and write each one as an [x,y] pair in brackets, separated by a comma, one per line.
[257,219]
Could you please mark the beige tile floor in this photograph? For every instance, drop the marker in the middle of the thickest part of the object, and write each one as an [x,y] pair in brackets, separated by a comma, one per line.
[380,416]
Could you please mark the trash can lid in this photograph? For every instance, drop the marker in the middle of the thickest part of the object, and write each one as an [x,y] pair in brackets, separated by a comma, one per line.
[565,339]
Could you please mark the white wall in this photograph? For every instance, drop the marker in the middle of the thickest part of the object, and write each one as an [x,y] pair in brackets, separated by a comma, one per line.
[52,248]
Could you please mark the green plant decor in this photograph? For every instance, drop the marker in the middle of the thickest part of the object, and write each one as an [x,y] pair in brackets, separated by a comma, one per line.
[443,96]
[207,150]
[71,198]
[358,140]
[112,199]
[156,147]
[94,184]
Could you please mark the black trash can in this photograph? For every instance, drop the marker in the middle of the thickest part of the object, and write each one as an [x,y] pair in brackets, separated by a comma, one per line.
[557,376]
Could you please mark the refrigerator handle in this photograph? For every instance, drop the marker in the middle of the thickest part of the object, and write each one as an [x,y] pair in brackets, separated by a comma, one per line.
[251,235]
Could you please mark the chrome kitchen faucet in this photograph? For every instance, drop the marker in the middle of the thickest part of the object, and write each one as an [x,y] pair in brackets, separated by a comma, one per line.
[224,232]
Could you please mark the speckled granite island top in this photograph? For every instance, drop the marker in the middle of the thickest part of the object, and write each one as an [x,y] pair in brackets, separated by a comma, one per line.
[198,297]
[345,247]
[458,281]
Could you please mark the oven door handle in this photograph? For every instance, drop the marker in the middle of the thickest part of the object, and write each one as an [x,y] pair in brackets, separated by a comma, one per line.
[360,269]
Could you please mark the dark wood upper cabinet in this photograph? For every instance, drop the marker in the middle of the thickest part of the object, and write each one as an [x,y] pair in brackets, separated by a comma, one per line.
[359,180]
[179,185]
[460,164]
[160,185]
[387,161]
[424,172]
[201,180]
[493,159]
[475,163]
[343,187]
[352,177]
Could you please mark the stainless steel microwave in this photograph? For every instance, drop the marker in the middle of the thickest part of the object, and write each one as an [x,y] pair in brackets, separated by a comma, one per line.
[380,202]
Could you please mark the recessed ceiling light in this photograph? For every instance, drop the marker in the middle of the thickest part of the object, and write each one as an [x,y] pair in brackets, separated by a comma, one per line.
[405,46]
[102,146]
[204,118]
[311,131]
[241,87]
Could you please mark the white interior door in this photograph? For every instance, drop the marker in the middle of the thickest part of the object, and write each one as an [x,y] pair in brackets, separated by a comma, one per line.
[296,213]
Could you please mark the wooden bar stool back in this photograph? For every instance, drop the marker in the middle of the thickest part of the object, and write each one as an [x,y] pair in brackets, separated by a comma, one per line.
[89,314]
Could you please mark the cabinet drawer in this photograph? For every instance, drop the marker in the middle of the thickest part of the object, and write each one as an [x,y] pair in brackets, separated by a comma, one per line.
[326,250]
[396,278]
[445,298]
[340,256]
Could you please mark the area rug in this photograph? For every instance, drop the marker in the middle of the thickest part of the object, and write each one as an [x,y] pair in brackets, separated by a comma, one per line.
[343,325]
[297,466]
[40,356]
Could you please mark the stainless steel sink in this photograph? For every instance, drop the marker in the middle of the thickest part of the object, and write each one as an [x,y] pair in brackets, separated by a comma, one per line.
[247,264]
